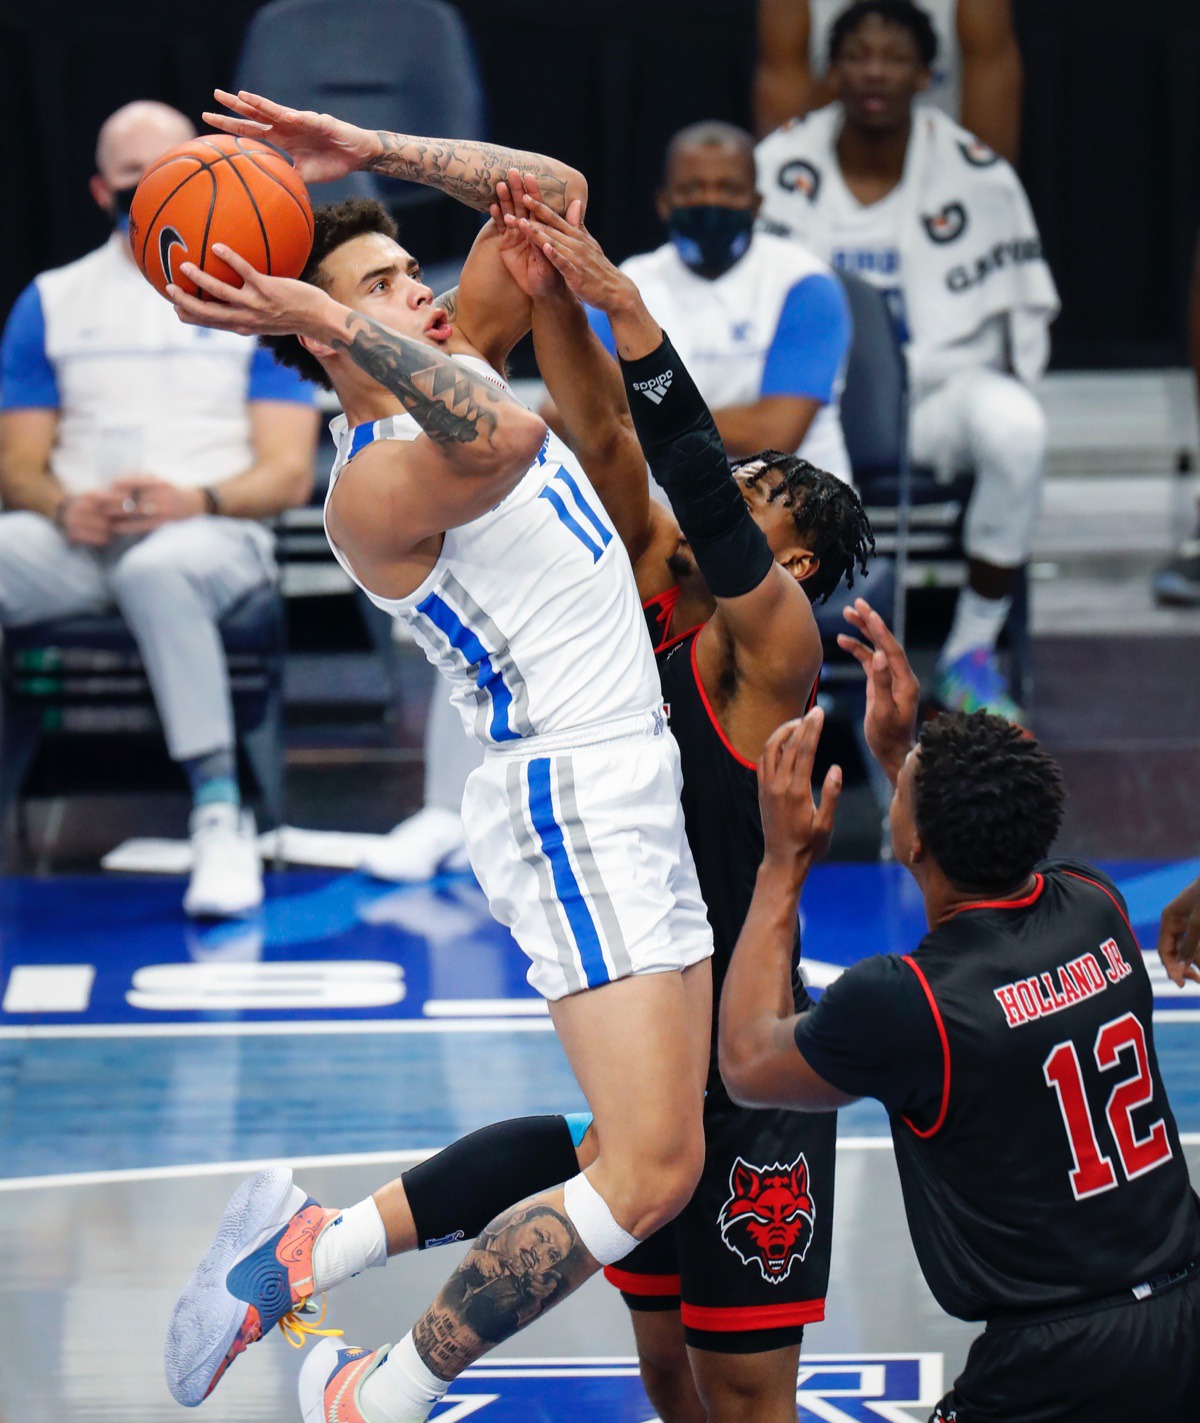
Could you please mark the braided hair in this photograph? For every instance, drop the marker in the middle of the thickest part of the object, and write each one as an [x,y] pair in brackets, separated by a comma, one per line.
[827,512]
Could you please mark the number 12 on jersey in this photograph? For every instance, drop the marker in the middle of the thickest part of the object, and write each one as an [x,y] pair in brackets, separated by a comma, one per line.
[1094,1172]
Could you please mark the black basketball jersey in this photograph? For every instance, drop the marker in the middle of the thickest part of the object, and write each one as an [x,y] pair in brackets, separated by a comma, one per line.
[720,806]
[1051,1173]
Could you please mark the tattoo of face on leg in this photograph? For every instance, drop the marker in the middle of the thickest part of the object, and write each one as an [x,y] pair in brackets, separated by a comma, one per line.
[522,1265]
[450,402]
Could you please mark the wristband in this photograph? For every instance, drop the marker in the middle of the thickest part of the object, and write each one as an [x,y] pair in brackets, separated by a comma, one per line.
[60,513]
[686,456]
[212,499]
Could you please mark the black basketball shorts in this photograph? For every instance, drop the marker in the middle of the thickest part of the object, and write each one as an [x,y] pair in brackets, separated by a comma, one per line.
[747,1261]
[1131,1361]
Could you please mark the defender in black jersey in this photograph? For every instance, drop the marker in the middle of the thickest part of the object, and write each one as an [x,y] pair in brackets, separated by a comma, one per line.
[1043,1179]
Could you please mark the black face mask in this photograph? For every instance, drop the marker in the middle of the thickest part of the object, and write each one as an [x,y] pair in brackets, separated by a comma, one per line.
[122,202]
[710,239]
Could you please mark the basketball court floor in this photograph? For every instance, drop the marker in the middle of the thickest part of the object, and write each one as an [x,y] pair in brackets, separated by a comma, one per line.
[146,1065]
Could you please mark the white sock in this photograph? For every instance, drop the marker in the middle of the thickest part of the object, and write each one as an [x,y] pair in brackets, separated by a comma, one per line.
[588,1212]
[403,1389]
[354,1242]
[977,623]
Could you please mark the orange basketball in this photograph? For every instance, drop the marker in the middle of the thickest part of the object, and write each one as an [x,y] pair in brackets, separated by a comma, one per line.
[220,189]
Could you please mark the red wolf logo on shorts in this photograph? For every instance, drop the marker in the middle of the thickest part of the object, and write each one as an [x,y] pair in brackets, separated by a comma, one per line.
[768,1218]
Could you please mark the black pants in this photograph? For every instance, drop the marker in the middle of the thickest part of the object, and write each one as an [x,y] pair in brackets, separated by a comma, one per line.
[1135,1362]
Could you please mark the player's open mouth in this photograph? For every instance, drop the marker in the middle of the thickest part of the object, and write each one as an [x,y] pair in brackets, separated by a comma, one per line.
[439,328]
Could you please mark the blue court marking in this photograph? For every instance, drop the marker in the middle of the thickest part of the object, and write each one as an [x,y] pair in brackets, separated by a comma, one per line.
[555,500]
[488,677]
[541,812]
[602,529]
[839,1388]
[96,1102]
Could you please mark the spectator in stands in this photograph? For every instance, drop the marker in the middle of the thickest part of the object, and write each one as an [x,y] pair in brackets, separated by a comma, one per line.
[1178,583]
[138,457]
[917,206]
[761,323]
[764,328]
[977,80]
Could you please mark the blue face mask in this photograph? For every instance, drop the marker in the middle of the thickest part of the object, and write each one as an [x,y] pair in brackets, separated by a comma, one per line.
[710,239]
[122,202]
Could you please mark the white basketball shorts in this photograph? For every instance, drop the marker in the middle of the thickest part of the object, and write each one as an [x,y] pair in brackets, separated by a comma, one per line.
[578,842]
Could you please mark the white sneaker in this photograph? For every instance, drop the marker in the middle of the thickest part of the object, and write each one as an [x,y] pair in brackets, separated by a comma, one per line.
[226,878]
[418,847]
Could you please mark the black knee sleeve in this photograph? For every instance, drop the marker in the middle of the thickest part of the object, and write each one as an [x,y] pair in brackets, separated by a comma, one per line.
[456,1193]
[686,456]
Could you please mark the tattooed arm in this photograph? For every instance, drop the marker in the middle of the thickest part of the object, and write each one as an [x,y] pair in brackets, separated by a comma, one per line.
[397,497]
[493,312]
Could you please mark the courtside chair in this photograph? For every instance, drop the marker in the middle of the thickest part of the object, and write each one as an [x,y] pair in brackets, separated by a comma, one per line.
[81,675]
[404,65]
[917,518]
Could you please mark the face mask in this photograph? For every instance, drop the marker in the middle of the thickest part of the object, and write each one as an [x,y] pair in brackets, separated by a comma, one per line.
[122,201]
[710,239]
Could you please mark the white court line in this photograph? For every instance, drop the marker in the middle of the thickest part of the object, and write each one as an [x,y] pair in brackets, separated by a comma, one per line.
[299,1163]
[529,1021]
[313,1028]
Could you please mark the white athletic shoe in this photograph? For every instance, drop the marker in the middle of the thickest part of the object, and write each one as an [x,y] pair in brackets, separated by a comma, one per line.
[418,847]
[227,880]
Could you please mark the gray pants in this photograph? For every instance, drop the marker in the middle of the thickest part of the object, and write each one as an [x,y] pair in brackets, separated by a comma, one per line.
[172,587]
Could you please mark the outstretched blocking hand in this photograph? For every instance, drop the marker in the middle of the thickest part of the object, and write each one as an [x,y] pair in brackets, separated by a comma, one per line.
[261,306]
[893,691]
[796,828]
[1179,936]
[521,254]
[322,147]
[575,255]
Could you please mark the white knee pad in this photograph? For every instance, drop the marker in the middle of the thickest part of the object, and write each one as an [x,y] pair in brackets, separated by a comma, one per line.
[588,1212]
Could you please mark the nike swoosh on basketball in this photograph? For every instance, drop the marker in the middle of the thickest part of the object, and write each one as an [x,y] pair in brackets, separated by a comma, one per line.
[167,239]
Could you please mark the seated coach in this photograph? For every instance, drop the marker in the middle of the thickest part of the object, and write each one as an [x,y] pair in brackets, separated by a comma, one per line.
[138,459]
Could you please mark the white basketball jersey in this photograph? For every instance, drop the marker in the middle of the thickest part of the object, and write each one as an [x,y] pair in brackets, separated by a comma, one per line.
[945,88]
[531,612]
[723,329]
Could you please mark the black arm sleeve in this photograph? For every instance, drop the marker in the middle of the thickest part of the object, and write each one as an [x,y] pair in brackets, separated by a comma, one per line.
[872,1034]
[686,456]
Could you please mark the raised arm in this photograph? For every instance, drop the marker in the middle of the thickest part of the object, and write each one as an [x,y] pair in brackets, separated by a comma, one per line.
[991,74]
[759,1061]
[324,148]
[764,619]
[784,84]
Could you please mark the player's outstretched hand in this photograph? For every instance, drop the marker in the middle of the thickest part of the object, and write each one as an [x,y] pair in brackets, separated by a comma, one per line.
[261,306]
[575,255]
[796,828]
[522,256]
[893,691]
[322,147]
[1179,936]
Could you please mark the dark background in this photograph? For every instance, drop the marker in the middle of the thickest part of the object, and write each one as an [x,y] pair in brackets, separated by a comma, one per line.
[1111,152]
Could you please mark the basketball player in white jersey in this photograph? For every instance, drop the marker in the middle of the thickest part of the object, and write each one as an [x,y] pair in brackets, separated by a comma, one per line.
[977,78]
[457,512]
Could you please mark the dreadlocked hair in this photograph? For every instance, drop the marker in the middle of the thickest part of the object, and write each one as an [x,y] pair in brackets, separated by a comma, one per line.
[828,514]
[988,801]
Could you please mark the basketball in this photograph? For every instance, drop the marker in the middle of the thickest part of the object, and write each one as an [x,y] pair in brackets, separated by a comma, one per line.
[220,189]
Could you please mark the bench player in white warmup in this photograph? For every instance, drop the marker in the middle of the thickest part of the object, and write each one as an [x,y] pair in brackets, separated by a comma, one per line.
[458,512]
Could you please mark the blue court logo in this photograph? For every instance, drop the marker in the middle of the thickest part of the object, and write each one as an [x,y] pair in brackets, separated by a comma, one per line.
[835,1388]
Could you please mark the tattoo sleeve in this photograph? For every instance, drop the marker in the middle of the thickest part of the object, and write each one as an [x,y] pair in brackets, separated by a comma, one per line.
[528,1259]
[451,404]
[464,170]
